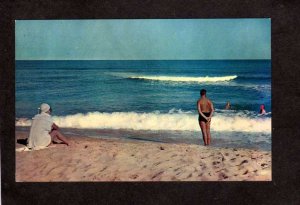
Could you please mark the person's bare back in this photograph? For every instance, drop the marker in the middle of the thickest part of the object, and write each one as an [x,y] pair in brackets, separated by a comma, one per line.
[205,105]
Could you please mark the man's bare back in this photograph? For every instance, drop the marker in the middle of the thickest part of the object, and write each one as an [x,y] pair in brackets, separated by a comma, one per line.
[205,105]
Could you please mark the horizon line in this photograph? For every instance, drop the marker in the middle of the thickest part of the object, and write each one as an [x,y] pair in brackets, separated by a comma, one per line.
[134,59]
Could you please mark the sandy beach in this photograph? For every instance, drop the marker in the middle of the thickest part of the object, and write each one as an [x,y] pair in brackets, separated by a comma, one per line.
[90,159]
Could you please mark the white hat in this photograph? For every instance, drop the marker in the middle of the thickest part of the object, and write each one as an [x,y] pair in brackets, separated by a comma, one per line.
[44,107]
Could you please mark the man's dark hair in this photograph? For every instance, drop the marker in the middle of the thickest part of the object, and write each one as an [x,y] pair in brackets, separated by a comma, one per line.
[203,92]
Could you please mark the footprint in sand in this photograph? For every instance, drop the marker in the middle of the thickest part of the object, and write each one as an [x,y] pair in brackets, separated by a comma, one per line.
[220,170]
[87,166]
[215,163]
[189,176]
[103,169]
[134,176]
[244,161]
[264,165]
[157,163]
[222,175]
[245,172]
[176,169]
[157,174]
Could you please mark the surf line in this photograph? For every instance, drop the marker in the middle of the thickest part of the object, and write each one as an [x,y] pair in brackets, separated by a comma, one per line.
[186,79]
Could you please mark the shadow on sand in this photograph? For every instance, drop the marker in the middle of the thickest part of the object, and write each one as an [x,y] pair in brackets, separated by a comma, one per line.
[22,141]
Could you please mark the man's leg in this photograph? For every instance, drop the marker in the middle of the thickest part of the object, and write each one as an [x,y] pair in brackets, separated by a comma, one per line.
[57,135]
[204,133]
[208,132]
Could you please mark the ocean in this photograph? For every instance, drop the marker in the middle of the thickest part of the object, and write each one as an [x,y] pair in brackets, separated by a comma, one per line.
[150,100]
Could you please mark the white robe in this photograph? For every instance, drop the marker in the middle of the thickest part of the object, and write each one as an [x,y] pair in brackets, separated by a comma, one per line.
[39,136]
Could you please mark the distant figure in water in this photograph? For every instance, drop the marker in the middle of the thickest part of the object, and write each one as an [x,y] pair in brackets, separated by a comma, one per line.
[262,110]
[43,130]
[205,110]
[227,106]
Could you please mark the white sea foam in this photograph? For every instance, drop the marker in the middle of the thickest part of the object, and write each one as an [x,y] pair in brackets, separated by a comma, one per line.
[158,121]
[186,79]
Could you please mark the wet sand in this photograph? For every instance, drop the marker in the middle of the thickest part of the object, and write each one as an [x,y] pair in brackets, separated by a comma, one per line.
[90,159]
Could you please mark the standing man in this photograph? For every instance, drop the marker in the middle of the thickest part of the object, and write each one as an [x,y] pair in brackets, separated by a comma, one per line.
[205,110]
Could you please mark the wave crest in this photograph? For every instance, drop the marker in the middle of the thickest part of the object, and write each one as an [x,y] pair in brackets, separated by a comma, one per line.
[186,79]
[157,121]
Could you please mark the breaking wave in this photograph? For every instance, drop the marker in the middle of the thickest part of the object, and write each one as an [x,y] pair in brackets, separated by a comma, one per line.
[158,121]
[186,79]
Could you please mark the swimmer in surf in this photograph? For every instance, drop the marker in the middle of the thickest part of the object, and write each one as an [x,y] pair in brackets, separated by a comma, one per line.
[262,110]
[205,111]
[227,106]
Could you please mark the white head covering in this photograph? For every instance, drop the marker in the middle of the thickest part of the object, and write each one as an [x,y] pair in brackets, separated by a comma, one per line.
[44,107]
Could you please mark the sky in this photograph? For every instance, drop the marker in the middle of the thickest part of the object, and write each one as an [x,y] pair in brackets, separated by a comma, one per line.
[143,39]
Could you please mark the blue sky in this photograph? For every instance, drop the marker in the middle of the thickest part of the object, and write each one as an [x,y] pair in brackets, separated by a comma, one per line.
[145,39]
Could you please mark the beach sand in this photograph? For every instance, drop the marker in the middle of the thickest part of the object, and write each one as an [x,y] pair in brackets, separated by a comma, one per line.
[90,159]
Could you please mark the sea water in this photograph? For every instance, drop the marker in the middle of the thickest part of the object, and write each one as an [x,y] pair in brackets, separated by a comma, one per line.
[150,100]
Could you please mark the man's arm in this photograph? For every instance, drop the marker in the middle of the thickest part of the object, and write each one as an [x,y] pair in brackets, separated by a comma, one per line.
[199,110]
[212,109]
[54,127]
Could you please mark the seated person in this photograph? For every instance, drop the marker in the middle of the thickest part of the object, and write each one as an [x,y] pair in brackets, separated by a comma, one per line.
[43,130]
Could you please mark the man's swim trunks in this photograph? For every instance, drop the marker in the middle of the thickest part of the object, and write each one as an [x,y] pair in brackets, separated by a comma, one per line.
[200,118]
